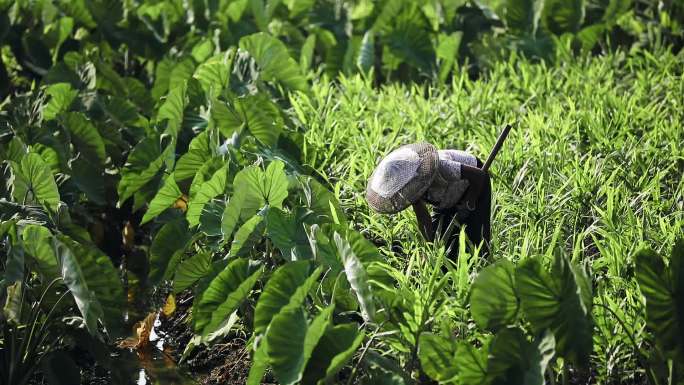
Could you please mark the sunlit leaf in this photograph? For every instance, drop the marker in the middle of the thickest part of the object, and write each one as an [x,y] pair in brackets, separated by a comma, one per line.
[274,60]
[207,191]
[166,197]
[61,97]
[34,182]
[357,277]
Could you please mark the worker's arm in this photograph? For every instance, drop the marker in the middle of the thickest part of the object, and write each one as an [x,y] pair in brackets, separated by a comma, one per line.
[477,180]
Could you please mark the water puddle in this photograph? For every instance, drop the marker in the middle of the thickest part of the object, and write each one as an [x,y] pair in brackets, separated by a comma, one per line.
[150,365]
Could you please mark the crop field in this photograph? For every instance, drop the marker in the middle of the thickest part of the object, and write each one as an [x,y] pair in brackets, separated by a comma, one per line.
[184,192]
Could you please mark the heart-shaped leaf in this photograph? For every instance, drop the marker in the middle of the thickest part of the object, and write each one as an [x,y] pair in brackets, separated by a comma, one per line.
[493,300]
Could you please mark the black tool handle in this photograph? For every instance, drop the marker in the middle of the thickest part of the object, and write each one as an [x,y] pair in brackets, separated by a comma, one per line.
[497,147]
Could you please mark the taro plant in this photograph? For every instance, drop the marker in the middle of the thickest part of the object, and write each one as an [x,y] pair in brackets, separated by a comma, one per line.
[663,289]
[535,314]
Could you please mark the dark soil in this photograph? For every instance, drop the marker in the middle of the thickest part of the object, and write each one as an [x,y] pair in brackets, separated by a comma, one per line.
[225,362]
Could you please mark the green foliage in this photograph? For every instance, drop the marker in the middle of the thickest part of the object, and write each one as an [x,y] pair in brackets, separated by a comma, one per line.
[233,170]
[663,288]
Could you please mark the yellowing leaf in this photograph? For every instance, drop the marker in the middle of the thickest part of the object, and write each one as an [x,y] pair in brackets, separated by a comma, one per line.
[141,333]
[170,305]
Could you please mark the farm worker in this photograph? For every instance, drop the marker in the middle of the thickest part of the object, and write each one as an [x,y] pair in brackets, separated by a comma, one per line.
[452,181]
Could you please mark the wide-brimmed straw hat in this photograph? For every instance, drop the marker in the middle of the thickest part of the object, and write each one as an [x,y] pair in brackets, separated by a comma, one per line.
[402,177]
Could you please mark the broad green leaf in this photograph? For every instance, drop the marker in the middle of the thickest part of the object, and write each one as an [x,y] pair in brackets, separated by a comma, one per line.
[248,236]
[224,294]
[288,234]
[561,16]
[86,137]
[202,50]
[493,300]
[165,198]
[61,97]
[522,16]
[253,188]
[275,184]
[204,173]
[291,341]
[11,310]
[325,206]
[181,73]
[89,179]
[334,350]
[262,117]
[447,53]
[227,118]
[210,219]
[558,301]
[172,109]
[259,364]
[94,283]
[37,241]
[437,357]
[33,182]
[288,286]
[191,270]
[144,162]
[188,164]
[306,54]
[366,58]
[471,362]
[274,60]
[514,359]
[663,288]
[207,191]
[214,74]
[167,248]
[357,277]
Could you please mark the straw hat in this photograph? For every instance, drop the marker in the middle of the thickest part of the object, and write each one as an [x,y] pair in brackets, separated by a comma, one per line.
[402,177]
